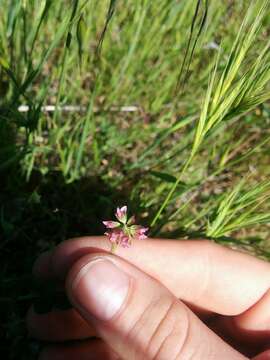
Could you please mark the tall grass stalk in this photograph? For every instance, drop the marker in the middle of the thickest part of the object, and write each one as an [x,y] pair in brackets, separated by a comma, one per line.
[229,96]
[239,208]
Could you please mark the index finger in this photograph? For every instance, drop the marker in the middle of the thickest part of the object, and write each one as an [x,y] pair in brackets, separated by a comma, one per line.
[200,273]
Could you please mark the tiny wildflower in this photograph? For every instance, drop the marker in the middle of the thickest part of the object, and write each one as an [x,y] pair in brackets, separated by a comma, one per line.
[123,231]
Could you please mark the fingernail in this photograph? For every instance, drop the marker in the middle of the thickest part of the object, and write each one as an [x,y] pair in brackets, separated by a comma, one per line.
[100,288]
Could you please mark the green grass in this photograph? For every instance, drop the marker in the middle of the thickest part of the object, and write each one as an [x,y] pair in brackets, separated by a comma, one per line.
[191,158]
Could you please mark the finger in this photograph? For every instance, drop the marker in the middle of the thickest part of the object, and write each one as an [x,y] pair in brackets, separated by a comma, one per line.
[86,350]
[255,322]
[58,325]
[201,273]
[137,316]
[263,356]
[252,327]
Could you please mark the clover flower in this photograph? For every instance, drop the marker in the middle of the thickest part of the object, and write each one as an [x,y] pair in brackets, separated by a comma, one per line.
[123,231]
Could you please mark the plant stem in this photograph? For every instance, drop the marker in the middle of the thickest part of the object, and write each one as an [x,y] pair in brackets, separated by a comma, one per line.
[170,194]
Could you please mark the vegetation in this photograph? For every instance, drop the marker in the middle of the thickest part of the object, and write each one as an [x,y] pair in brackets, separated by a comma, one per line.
[161,105]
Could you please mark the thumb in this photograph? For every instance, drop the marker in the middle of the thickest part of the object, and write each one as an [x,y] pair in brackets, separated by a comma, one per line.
[137,316]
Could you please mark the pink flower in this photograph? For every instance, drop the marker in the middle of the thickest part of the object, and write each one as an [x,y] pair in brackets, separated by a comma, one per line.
[113,236]
[125,241]
[122,232]
[117,236]
[121,214]
[140,233]
[111,224]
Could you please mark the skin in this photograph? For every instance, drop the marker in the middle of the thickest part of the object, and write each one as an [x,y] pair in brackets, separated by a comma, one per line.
[188,300]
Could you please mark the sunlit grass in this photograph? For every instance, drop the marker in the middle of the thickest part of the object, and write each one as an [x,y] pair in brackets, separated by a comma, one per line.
[158,57]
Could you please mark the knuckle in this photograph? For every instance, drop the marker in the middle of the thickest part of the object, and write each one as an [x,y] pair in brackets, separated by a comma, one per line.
[172,333]
[162,330]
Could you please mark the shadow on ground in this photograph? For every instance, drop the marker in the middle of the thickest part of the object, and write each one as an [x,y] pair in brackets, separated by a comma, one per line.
[35,216]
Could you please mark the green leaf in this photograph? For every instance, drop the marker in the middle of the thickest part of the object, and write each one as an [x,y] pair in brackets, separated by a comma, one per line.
[4,63]
[164,176]
[81,35]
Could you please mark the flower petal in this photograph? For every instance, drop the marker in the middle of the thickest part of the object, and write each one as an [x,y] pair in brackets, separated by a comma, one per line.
[142,237]
[125,242]
[143,230]
[121,214]
[112,235]
[111,224]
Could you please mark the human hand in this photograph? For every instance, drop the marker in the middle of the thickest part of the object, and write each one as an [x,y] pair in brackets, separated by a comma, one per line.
[223,293]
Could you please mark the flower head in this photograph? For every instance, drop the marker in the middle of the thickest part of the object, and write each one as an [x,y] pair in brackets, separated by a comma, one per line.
[123,231]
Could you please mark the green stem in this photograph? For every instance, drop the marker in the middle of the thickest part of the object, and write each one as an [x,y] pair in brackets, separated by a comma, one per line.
[113,248]
[170,194]
[60,86]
